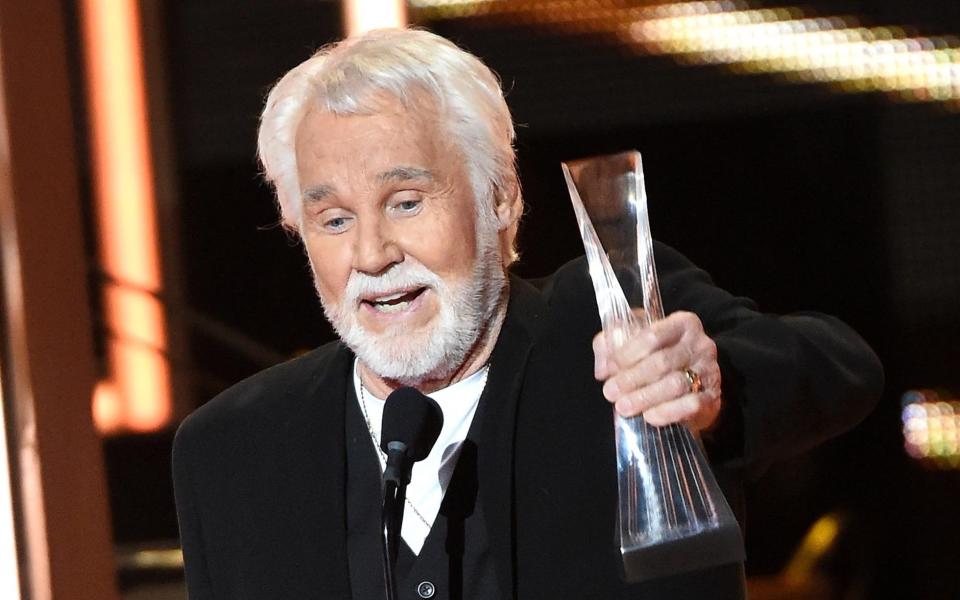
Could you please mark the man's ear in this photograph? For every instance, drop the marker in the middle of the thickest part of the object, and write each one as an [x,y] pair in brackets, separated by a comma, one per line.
[509,203]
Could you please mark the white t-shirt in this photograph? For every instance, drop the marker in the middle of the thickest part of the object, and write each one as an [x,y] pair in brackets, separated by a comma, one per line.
[430,477]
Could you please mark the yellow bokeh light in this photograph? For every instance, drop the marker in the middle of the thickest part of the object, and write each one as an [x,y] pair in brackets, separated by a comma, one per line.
[833,50]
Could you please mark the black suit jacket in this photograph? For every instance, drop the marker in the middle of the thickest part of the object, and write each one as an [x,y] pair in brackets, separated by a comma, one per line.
[260,473]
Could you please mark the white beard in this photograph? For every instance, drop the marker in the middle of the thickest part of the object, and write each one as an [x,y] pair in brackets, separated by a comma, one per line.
[437,349]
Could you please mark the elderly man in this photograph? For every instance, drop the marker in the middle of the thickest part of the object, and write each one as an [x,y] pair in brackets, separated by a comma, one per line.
[392,159]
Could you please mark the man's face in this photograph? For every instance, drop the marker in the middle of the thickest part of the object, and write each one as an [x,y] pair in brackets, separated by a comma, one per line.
[390,227]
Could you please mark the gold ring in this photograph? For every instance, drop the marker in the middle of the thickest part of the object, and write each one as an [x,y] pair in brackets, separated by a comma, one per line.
[695,386]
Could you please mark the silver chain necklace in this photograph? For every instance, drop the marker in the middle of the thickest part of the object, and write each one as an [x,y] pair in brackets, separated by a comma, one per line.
[381,456]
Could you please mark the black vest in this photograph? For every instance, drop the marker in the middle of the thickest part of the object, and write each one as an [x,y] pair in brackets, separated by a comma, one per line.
[455,561]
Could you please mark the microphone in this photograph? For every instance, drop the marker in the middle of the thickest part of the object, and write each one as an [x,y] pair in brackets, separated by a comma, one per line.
[410,427]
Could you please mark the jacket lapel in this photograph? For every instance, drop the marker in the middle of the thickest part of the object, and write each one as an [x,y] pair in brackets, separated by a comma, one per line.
[498,414]
[314,462]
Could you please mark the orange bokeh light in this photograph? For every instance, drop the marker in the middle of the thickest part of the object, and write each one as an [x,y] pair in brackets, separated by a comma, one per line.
[136,395]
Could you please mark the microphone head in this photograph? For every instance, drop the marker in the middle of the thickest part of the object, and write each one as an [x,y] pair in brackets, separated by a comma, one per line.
[412,418]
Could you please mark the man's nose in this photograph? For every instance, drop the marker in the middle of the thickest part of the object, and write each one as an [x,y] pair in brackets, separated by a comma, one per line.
[375,249]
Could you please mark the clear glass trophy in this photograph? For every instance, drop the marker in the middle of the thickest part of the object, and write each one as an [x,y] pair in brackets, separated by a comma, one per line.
[673,517]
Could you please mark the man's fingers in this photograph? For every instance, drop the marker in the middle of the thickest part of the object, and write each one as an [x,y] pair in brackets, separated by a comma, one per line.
[649,396]
[661,334]
[683,408]
[645,374]
[663,364]
[599,342]
[601,366]
[610,358]
[696,411]
[671,400]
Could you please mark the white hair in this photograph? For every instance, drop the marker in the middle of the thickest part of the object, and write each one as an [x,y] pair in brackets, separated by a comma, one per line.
[352,76]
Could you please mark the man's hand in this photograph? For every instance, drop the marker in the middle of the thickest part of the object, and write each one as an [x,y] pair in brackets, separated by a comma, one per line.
[646,374]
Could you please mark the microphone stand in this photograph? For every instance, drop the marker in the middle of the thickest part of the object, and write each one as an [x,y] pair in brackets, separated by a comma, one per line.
[411,425]
[396,476]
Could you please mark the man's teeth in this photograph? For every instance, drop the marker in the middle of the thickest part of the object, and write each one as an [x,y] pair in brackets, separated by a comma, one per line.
[390,297]
[391,308]
[395,302]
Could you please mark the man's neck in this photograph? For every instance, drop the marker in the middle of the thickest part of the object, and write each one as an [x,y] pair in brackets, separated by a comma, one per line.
[476,358]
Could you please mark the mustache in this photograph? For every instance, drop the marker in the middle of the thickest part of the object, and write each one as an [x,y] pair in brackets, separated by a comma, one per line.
[405,275]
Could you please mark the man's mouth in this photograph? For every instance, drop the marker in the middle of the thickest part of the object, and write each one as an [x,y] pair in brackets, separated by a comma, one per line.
[394,302]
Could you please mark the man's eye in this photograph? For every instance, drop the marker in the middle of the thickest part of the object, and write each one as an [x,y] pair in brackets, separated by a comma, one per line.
[336,224]
[408,206]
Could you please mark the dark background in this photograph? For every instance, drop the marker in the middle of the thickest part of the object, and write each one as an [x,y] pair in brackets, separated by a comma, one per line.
[796,195]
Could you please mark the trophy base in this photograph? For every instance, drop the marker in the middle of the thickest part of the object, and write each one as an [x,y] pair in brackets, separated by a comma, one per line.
[708,548]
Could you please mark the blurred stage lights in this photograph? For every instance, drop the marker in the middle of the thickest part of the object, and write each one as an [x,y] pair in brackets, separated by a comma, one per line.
[832,50]
[931,428]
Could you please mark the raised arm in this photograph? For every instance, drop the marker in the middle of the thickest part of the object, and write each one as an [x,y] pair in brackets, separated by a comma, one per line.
[761,387]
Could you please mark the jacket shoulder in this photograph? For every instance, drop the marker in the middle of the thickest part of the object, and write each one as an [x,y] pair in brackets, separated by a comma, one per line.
[271,397]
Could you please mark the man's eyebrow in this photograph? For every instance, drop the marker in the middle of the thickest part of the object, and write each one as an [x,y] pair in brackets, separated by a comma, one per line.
[317,192]
[405,174]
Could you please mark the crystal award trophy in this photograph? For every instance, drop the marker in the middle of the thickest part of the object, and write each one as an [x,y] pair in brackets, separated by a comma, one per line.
[673,517]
